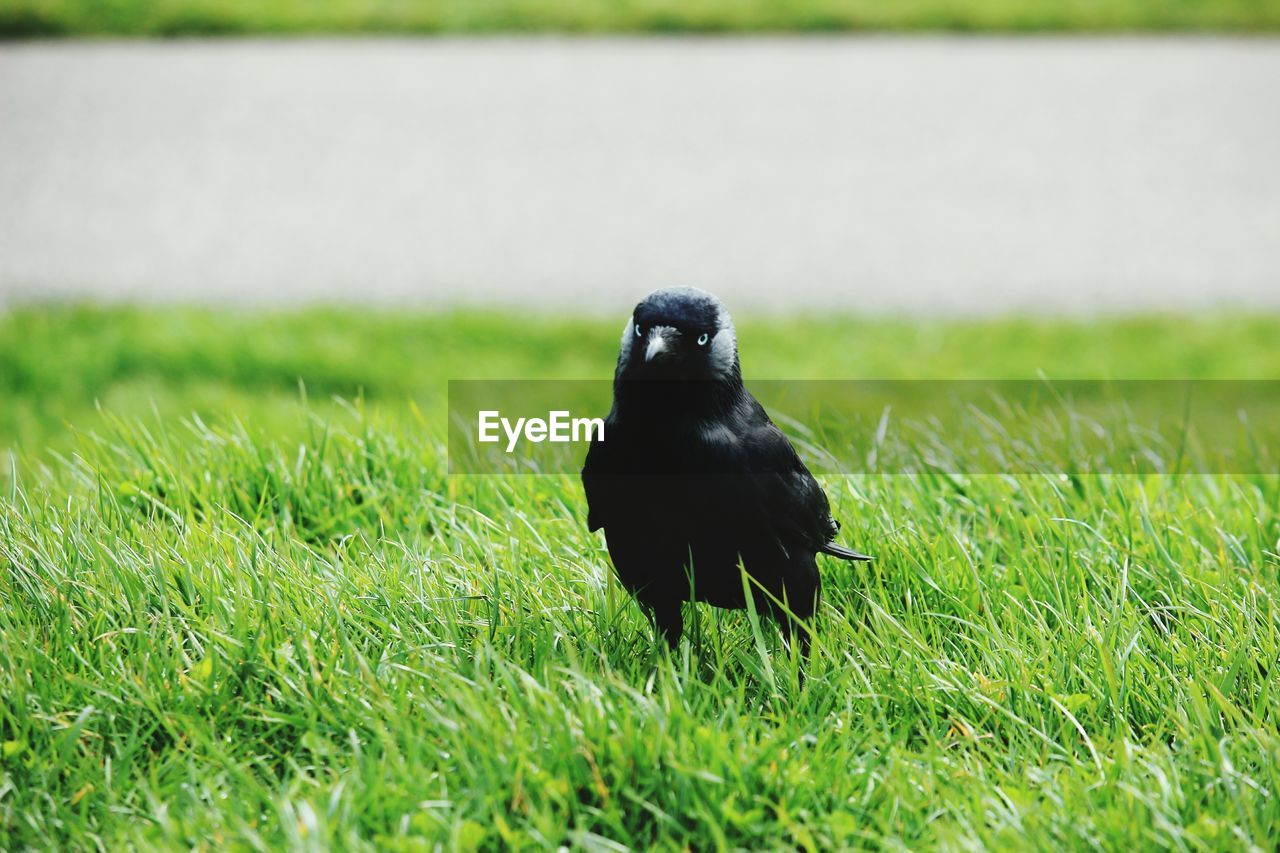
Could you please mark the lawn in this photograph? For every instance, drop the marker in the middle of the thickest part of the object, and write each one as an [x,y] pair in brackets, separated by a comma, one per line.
[242,603]
[20,18]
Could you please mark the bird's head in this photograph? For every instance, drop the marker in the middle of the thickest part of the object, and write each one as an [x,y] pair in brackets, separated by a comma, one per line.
[679,333]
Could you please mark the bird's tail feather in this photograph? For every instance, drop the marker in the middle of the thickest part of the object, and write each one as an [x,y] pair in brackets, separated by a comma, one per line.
[844,553]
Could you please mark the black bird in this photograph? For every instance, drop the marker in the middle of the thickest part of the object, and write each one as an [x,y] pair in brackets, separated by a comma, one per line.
[692,479]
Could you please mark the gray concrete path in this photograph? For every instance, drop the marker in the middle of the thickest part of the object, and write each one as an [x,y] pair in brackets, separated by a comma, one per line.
[922,175]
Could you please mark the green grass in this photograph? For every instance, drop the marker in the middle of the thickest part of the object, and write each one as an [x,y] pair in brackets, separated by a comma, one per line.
[235,615]
[19,18]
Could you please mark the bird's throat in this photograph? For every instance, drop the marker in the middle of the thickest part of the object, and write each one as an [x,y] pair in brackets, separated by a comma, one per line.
[659,401]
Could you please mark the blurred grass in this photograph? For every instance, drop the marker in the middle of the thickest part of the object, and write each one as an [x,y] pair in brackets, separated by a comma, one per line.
[27,18]
[58,363]
[232,616]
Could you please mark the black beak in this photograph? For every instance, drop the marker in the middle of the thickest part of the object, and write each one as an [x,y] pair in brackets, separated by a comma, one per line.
[660,344]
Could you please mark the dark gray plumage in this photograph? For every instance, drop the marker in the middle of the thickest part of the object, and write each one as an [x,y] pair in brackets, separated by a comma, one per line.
[692,478]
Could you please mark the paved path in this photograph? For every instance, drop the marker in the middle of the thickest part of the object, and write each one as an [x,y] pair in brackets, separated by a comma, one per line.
[885,174]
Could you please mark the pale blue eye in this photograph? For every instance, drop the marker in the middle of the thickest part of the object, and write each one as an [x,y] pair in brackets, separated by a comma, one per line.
[639,334]
[702,341]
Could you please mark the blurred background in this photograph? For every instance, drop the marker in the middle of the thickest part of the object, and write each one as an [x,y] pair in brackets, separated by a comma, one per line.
[928,157]
[237,210]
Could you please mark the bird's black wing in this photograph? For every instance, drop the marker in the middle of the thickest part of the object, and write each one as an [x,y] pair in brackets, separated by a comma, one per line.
[779,493]
[600,481]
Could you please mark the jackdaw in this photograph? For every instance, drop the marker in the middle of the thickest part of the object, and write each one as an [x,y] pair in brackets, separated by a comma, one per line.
[692,483]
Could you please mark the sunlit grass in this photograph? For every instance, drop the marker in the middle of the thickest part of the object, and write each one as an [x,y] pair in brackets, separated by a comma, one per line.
[277,621]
